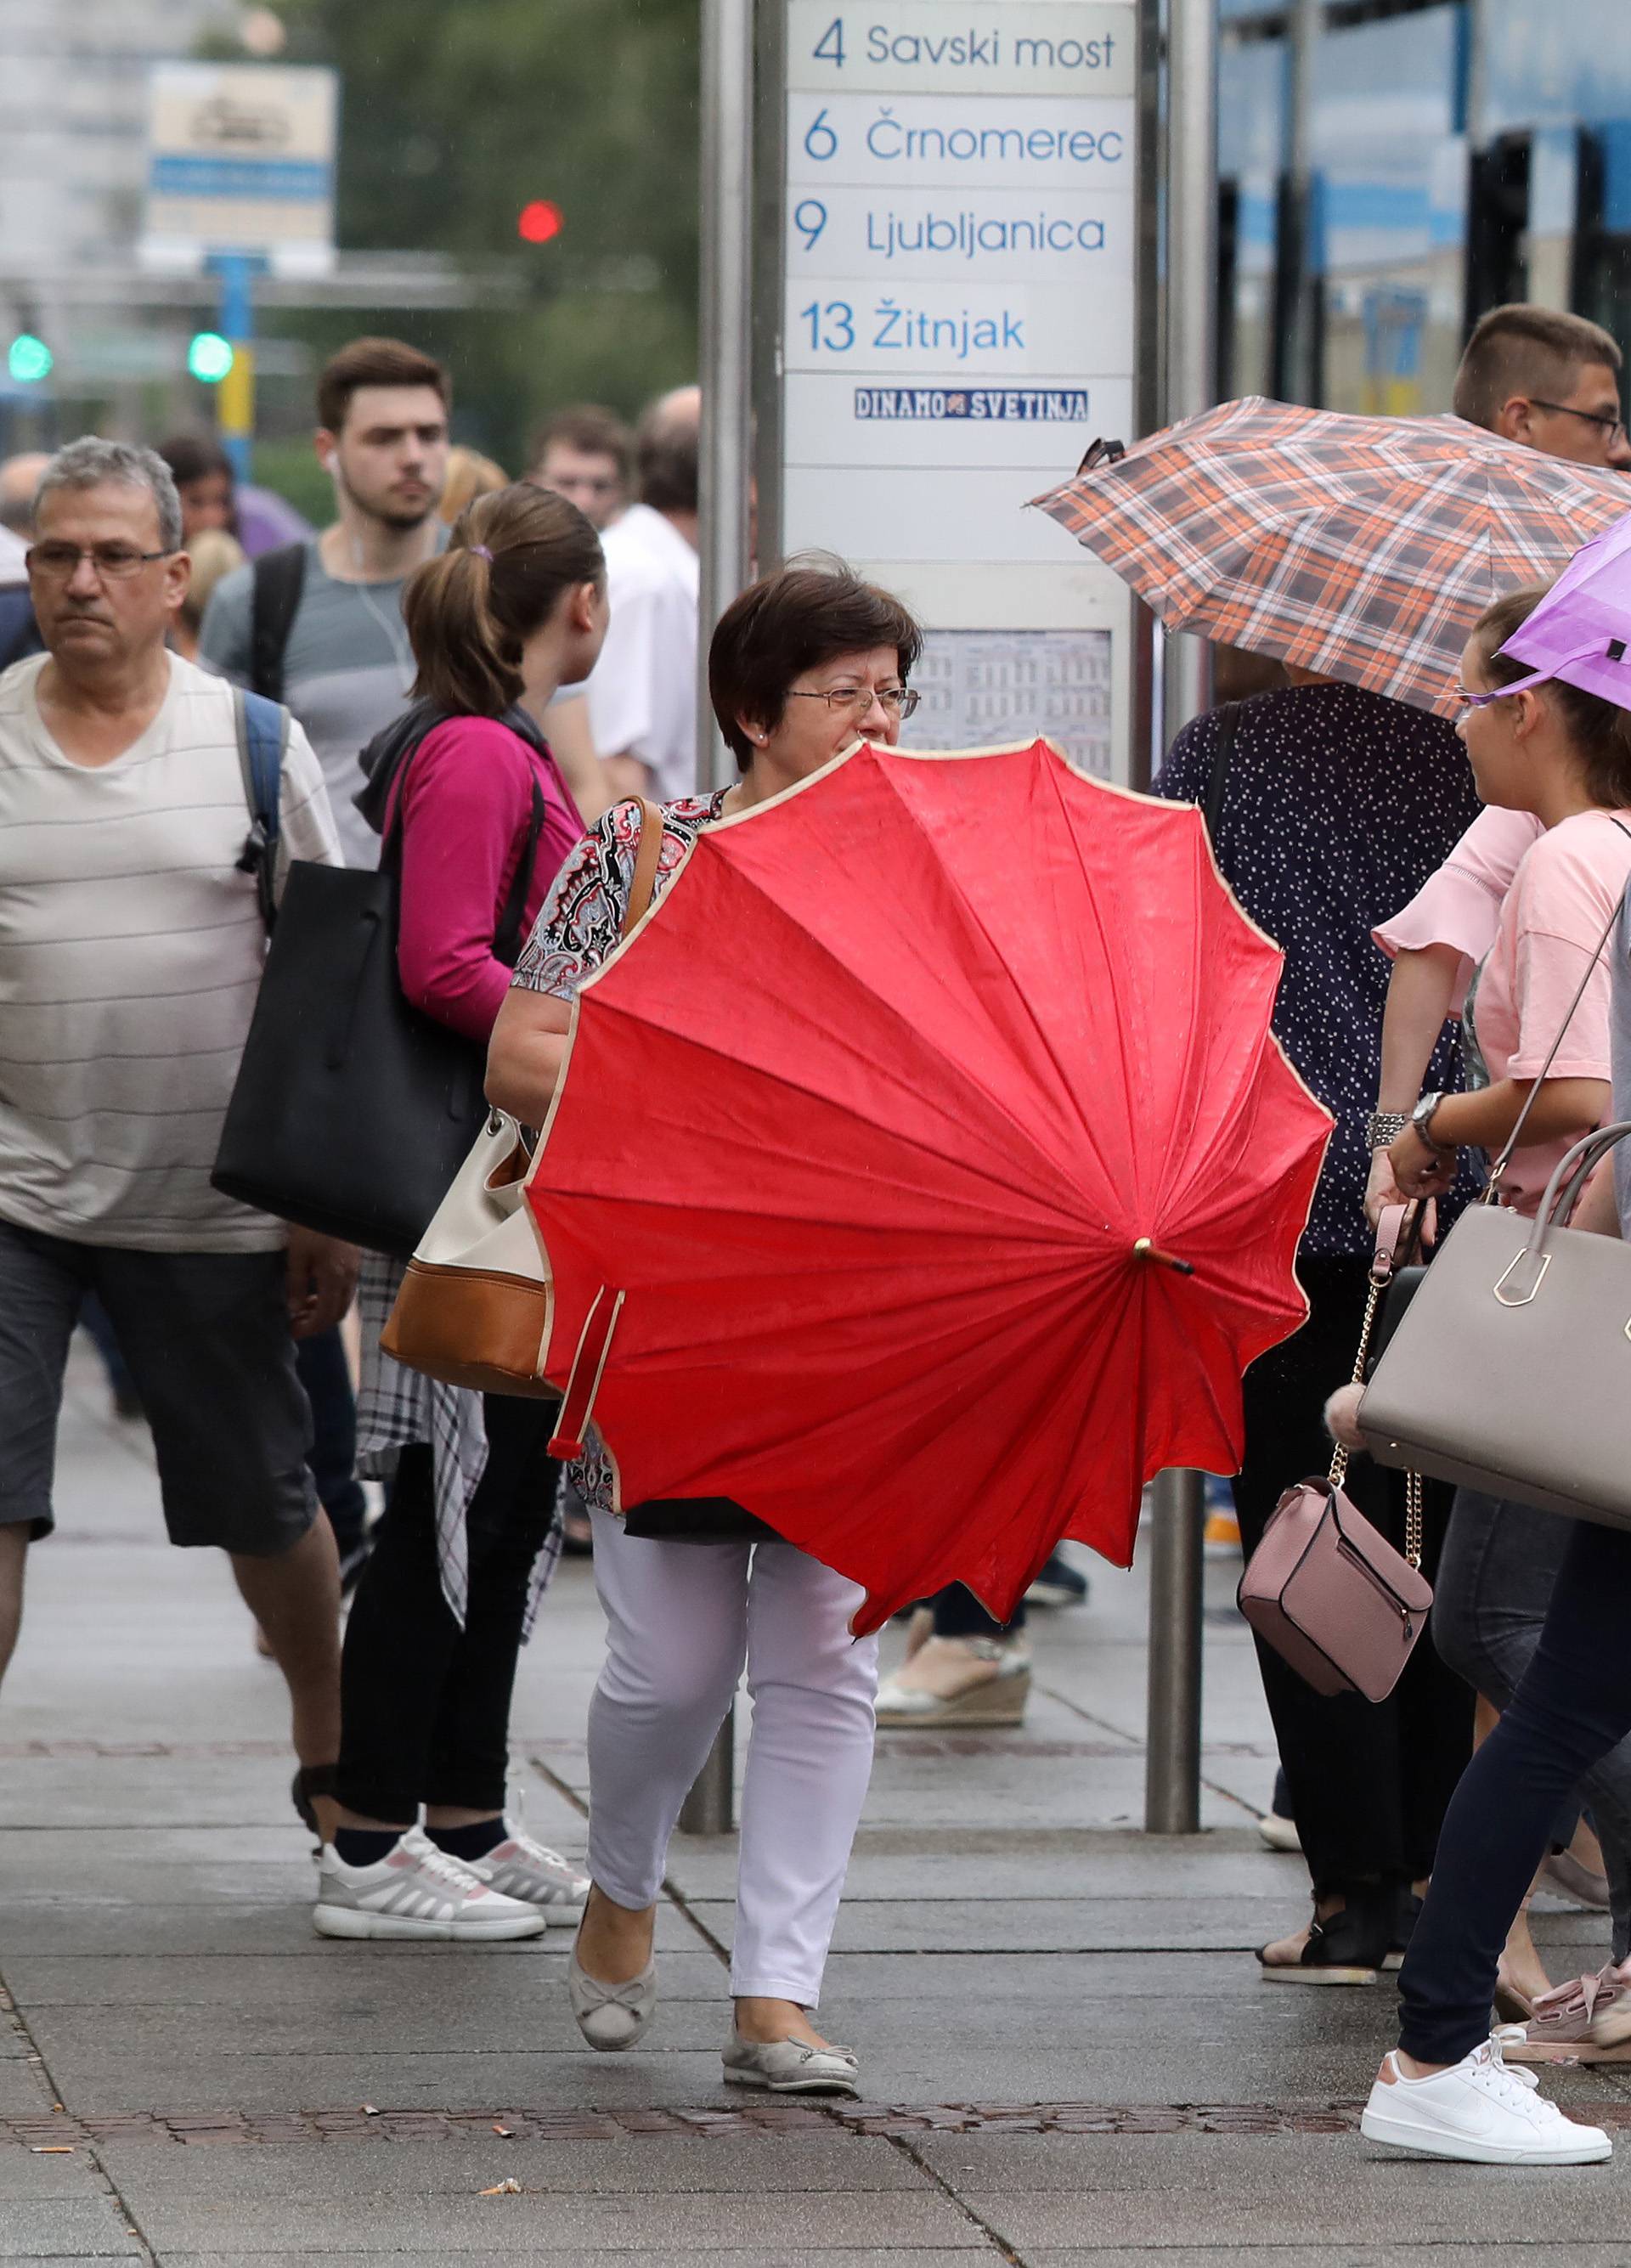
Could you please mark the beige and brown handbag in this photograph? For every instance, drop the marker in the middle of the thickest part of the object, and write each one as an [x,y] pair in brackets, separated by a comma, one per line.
[475,1305]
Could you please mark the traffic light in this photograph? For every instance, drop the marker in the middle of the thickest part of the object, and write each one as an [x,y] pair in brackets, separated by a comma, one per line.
[539,221]
[209,356]
[28,359]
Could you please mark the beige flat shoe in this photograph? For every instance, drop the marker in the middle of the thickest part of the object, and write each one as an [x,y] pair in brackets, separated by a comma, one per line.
[611,2017]
[903,1706]
[790,2067]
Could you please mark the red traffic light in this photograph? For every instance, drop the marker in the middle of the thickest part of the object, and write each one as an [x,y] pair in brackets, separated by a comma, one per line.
[539,221]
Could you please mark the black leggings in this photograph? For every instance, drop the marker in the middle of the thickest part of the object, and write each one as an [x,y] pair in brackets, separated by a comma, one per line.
[425,1706]
[1369,1781]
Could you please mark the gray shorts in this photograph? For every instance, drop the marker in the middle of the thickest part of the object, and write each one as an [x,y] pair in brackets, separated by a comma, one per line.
[206,1337]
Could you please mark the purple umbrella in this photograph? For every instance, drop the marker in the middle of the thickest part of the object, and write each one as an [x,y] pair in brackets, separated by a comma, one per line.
[1580,631]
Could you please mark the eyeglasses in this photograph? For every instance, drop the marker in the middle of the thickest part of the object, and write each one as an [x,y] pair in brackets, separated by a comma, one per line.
[855,700]
[1614,429]
[114,563]
[1468,701]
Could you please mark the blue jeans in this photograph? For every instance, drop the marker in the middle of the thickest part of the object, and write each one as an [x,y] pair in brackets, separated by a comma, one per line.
[1494,1583]
[1572,1705]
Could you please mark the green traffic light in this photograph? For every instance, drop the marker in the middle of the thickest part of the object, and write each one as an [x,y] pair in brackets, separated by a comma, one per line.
[209,357]
[29,359]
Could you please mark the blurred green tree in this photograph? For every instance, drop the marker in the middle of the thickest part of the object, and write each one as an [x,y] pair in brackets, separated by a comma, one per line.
[454,115]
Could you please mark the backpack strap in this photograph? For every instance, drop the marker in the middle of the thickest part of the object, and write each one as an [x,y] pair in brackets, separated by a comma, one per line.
[278,578]
[506,945]
[262,736]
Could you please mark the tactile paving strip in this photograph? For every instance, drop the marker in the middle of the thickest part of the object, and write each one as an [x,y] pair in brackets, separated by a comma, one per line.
[61,2131]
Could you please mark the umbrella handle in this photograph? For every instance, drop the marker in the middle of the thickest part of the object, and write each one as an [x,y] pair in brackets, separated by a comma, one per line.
[572,1422]
[1145,1250]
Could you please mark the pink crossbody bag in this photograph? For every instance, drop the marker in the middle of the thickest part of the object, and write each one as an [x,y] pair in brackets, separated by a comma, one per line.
[1325,1588]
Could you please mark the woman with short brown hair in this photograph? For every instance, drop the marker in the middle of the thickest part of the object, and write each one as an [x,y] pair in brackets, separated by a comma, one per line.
[802,665]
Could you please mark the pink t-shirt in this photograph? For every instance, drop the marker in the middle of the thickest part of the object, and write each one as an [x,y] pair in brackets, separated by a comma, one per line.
[1551,924]
[1460,904]
[466,809]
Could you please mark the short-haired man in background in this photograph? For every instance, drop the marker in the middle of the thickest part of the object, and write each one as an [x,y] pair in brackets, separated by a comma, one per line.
[135,946]
[332,643]
[585,455]
[1549,380]
[642,693]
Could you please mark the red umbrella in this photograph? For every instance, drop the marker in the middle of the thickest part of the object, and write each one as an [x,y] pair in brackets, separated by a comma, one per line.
[874,1147]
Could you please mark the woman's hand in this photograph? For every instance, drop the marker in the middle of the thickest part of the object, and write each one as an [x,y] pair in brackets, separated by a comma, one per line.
[1420,1170]
[526,1054]
[1381,1191]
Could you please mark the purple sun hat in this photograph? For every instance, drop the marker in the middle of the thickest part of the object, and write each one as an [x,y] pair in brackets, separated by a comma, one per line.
[1581,631]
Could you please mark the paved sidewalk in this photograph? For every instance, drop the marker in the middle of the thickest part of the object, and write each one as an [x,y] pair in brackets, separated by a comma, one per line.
[1069,2055]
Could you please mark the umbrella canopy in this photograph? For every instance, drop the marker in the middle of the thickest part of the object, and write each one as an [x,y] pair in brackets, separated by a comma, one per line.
[1363,548]
[1580,631]
[861,1133]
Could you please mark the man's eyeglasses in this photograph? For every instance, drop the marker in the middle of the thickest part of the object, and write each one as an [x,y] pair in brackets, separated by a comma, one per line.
[1614,429]
[114,563]
[855,700]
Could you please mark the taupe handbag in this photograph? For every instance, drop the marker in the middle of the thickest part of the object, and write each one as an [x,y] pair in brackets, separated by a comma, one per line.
[475,1305]
[1325,1588]
[1511,1368]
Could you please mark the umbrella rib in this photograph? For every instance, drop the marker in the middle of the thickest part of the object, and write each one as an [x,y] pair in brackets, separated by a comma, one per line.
[979,923]
[901,1135]
[962,1072]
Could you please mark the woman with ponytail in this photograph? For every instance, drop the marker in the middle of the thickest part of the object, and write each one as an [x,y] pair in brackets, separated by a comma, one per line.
[515,608]
[1530,1609]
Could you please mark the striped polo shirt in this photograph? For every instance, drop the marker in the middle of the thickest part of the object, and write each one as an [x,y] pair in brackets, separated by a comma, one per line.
[131,952]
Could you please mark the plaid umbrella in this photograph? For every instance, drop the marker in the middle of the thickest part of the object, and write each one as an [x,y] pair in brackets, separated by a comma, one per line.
[1364,547]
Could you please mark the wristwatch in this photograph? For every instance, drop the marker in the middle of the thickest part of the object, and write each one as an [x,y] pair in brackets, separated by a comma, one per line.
[1421,1119]
[1384,1128]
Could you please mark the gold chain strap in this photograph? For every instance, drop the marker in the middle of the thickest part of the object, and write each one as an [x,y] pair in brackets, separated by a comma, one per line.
[1380,1279]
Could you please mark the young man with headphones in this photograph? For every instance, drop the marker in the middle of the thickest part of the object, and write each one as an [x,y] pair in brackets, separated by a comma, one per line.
[318,625]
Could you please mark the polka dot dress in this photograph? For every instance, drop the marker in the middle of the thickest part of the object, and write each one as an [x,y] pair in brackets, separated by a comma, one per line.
[1339,806]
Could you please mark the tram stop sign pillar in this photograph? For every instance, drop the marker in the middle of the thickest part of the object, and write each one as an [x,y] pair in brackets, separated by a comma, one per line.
[951,267]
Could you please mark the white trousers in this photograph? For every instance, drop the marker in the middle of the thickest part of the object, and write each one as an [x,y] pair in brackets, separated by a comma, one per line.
[681,1619]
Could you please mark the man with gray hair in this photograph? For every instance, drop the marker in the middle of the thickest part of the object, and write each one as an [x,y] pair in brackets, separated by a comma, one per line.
[133,950]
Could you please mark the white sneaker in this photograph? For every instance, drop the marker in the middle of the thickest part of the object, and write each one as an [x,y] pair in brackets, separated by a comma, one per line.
[1478,2111]
[520,1869]
[415,1891]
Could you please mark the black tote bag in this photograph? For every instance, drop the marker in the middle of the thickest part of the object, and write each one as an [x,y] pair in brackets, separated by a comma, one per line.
[353,1111]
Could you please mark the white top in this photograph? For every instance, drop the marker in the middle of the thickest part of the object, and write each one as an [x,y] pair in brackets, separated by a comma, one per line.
[642,692]
[131,952]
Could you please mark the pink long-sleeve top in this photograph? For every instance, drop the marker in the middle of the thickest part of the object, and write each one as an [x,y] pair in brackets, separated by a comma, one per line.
[467,805]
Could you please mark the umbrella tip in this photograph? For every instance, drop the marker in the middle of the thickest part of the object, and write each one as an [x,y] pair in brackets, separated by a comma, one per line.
[1101,451]
[1144,1249]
